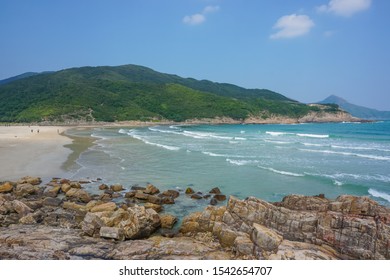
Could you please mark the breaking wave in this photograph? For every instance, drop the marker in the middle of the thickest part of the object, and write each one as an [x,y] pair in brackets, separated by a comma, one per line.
[281,171]
[373,157]
[376,193]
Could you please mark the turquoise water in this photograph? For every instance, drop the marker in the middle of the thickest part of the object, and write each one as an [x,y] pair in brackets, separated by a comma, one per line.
[266,161]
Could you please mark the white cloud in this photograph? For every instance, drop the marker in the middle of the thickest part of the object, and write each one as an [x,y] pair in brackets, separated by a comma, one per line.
[345,8]
[199,18]
[291,26]
[210,9]
[194,19]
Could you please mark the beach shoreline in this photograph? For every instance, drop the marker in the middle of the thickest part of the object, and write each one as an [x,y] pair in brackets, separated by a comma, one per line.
[33,150]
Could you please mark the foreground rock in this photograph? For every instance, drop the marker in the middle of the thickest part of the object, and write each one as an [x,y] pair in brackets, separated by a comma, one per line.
[61,220]
[299,227]
[135,222]
[47,243]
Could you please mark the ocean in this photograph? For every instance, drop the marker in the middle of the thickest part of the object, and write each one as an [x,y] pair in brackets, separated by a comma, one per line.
[265,161]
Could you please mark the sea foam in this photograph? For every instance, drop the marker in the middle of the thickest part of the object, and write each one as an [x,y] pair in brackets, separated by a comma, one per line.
[376,193]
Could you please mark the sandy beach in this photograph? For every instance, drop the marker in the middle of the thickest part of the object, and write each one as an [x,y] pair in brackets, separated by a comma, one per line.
[37,150]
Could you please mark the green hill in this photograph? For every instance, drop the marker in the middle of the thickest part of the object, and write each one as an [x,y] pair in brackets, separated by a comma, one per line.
[18,77]
[131,92]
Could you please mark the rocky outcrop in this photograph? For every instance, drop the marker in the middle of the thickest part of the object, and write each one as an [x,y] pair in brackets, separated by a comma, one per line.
[21,242]
[61,220]
[298,227]
[135,222]
[321,116]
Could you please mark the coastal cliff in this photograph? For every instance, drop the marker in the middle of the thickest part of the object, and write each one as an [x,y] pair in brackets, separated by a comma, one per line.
[61,220]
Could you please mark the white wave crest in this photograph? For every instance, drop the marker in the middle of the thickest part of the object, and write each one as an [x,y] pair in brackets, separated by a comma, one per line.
[225,155]
[281,171]
[337,183]
[313,135]
[171,148]
[360,148]
[276,133]
[241,162]
[313,145]
[277,142]
[364,177]
[373,157]
[376,193]
[204,135]
[155,129]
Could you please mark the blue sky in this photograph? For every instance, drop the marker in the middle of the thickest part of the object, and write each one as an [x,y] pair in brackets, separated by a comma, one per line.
[304,49]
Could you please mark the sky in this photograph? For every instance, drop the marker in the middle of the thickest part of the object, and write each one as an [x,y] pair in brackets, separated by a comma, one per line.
[304,49]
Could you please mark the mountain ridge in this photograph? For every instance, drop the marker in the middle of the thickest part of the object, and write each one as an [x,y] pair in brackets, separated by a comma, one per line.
[132,92]
[356,110]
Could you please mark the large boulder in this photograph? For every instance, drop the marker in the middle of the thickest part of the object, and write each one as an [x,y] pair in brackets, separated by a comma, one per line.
[141,195]
[112,233]
[220,197]
[305,203]
[75,185]
[92,224]
[355,205]
[25,189]
[171,193]
[167,220]
[150,189]
[156,207]
[142,222]
[65,188]
[109,206]
[52,191]
[74,206]
[116,188]
[215,190]
[79,195]
[154,199]
[51,201]
[30,180]
[21,208]
[6,187]
[265,238]
[136,222]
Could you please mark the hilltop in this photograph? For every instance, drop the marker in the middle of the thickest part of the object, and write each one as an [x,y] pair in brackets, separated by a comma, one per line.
[131,92]
[356,110]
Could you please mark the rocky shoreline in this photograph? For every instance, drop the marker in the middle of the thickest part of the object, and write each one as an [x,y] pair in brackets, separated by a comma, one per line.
[314,117]
[61,220]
